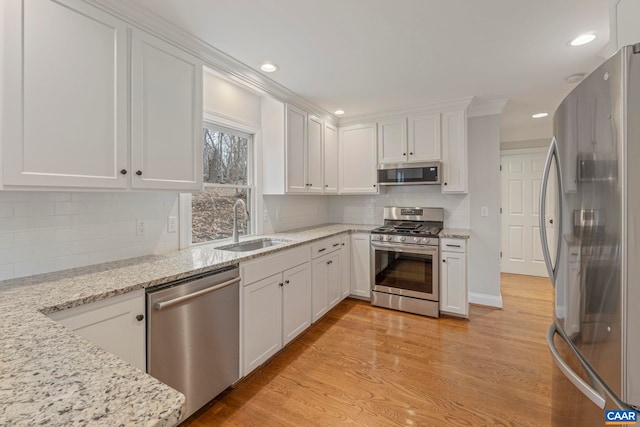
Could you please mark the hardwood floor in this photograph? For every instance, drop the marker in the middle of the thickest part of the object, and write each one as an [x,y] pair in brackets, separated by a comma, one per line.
[371,366]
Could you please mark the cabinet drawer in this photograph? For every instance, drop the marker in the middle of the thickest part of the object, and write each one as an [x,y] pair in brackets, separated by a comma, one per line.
[453,245]
[260,268]
[325,246]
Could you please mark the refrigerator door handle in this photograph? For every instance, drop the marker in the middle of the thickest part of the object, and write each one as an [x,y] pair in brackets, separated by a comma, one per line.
[580,384]
[552,268]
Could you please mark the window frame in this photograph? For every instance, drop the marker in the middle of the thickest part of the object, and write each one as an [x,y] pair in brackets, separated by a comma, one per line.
[214,122]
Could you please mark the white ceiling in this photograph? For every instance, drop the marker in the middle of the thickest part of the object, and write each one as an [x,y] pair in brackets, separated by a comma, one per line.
[374,56]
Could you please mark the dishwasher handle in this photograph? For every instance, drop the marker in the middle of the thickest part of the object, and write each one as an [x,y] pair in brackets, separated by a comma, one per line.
[172,302]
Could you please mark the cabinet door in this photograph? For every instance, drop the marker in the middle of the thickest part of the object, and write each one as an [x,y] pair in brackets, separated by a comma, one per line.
[314,155]
[358,159]
[361,265]
[454,152]
[319,284]
[424,138]
[330,159]
[345,266]
[453,292]
[262,321]
[166,116]
[65,95]
[296,150]
[113,324]
[392,141]
[296,302]
[334,275]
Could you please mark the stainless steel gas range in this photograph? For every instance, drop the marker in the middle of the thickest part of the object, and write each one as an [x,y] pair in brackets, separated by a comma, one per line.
[405,258]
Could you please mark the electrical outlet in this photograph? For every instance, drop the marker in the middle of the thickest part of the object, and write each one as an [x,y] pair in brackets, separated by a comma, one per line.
[172,224]
[141,227]
[265,215]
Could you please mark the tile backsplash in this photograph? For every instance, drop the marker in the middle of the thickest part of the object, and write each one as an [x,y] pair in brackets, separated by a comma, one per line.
[369,209]
[42,232]
[293,211]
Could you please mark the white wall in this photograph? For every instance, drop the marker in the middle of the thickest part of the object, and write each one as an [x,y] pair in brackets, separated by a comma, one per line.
[42,232]
[369,209]
[484,190]
[528,143]
[230,101]
[627,26]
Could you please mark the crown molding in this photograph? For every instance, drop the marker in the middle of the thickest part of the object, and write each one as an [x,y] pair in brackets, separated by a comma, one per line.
[236,71]
[486,108]
[454,104]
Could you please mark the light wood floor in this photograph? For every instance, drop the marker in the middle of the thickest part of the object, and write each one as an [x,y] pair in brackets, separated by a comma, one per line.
[370,366]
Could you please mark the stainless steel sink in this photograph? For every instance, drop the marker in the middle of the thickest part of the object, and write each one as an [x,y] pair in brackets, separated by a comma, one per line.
[252,245]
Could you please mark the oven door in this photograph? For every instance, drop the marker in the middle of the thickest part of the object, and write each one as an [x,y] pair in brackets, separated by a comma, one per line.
[406,270]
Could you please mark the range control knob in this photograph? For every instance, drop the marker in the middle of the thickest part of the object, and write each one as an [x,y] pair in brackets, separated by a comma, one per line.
[416,239]
[388,238]
[425,240]
[402,238]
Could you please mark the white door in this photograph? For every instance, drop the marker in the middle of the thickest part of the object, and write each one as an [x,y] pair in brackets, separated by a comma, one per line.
[345,266]
[521,244]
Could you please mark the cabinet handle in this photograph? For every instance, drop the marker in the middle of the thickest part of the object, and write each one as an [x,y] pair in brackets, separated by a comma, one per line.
[329,262]
[281,284]
[322,250]
[336,244]
[139,173]
[453,246]
[286,282]
[140,317]
[123,171]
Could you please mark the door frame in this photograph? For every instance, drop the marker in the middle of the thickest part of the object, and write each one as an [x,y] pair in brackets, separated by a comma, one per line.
[510,152]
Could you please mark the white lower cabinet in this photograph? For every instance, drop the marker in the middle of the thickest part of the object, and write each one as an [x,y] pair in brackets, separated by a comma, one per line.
[326,277]
[115,324]
[453,275]
[277,308]
[361,265]
[345,265]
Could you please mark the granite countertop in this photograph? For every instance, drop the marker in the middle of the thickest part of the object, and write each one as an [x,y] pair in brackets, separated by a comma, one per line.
[50,376]
[455,233]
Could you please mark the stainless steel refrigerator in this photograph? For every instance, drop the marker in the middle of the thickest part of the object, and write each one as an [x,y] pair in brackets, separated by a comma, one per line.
[595,268]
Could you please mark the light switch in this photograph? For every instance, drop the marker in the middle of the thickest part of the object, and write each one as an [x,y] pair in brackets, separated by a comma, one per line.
[484,211]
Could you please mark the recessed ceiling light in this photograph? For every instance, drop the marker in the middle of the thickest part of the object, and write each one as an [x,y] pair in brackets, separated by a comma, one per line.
[575,78]
[540,115]
[583,39]
[338,112]
[269,67]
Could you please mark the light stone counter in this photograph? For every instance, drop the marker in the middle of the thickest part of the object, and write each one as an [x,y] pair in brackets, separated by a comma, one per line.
[455,233]
[50,376]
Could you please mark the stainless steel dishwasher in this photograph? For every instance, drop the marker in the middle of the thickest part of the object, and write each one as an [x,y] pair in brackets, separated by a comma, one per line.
[193,335]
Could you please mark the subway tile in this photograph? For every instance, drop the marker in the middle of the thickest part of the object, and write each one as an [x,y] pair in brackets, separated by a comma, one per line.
[6,272]
[33,238]
[34,209]
[6,210]
[6,240]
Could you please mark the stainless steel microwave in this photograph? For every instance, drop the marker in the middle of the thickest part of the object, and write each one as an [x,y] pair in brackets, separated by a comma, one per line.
[409,173]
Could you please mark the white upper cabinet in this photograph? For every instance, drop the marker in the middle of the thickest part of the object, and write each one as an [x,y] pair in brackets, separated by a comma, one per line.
[166,113]
[65,95]
[392,141]
[296,123]
[358,159]
[330,159]
[69,100]
[315,182]
[454,152]
[424,138]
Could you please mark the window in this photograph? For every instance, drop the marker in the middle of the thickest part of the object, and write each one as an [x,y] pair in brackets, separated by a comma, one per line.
[227,177]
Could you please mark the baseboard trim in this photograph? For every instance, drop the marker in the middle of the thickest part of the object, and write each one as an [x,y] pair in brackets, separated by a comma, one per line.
[484,299]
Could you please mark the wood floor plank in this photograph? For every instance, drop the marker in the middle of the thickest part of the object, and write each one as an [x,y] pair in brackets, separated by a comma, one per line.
[369,366]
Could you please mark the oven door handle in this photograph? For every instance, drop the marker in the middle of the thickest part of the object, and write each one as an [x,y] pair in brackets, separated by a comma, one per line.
[405,248]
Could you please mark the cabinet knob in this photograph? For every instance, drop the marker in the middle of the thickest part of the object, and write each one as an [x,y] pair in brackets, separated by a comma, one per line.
[286,281]
[281,284]
[374,185]
[445,183]
[140,317]
[444,260]
[404,154]
[139,173]
[411,154]
[123,171]
[326,185]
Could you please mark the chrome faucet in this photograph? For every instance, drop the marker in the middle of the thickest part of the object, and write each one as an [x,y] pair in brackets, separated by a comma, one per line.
[235,218]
